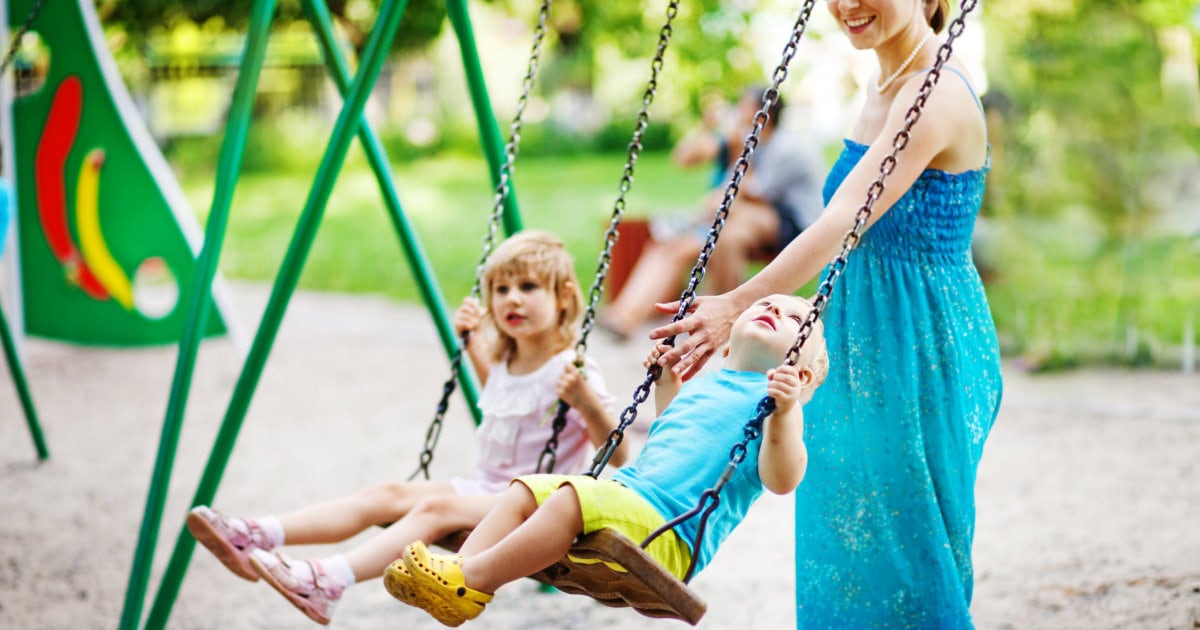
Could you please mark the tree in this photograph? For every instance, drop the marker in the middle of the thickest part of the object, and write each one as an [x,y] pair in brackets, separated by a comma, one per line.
[1094,136]
[422,22]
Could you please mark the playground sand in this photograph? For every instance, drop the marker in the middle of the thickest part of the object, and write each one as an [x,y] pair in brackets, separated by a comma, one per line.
[1088,496]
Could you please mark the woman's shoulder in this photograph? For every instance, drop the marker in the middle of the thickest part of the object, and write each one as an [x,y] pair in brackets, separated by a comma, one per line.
[953,103]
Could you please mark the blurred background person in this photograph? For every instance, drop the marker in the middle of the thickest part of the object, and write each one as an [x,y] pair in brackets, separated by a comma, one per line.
[779,196]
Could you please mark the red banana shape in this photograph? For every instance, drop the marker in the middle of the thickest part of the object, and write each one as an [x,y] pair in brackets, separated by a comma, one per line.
[62,123]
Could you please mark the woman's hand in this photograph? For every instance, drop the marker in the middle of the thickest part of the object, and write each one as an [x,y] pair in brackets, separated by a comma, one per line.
[707,324]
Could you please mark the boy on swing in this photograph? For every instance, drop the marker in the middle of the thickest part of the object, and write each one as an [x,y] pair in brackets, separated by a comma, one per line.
[698,422]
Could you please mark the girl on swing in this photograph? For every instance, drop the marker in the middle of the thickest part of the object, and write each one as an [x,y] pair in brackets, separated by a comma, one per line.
[522,349]
[698,422]
[885,519]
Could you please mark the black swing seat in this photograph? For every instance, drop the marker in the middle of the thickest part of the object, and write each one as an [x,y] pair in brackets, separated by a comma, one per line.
[644,586]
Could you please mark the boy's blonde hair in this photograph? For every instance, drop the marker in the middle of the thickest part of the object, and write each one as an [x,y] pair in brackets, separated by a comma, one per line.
[543,256]
[815,357]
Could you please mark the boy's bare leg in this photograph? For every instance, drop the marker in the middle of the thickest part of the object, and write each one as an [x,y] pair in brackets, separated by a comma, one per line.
[543,538]
[429,521]
[512,508]
[338,520]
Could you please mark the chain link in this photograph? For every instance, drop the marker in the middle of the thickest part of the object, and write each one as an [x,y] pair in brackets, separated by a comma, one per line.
[16,40]
[502,192]
[770,97]
[875,191]
[632,152]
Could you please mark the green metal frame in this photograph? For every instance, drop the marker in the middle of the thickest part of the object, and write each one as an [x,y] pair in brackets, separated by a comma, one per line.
[229,167]
[349,124]
[18,376]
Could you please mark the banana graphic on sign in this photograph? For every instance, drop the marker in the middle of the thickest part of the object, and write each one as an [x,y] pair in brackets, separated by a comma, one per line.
[87,223]
[58,136]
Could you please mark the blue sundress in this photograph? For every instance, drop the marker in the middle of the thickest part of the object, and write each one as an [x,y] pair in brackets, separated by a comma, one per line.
[886,512]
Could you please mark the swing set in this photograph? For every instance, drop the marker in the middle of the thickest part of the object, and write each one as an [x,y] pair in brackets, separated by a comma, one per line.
[504,211]
[641,583]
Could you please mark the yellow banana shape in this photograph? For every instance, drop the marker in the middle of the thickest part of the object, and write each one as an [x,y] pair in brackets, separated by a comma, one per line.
[87,218]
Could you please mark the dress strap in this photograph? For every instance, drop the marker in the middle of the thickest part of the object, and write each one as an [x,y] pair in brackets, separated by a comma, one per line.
[978,103]
[970,88]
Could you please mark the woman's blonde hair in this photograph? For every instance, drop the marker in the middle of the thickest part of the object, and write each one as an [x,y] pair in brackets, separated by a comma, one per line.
[938,14]
[542,256]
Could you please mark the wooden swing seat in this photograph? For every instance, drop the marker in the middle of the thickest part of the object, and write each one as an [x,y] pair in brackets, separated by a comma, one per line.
[644,586]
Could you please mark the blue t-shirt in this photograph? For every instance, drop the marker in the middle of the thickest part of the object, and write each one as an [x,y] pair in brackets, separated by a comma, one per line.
[688,448]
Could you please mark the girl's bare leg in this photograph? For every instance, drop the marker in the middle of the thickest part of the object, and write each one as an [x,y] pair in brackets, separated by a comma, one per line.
[337,520]
[542,539]
[429,521]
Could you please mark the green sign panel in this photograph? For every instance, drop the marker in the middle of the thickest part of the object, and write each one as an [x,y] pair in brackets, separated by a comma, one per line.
[107,242]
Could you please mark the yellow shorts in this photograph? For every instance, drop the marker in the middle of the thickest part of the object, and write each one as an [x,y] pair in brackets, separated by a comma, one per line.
[608,504]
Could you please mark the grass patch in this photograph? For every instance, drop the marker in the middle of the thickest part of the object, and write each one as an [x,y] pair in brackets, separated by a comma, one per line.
[1064,292]
[448,200]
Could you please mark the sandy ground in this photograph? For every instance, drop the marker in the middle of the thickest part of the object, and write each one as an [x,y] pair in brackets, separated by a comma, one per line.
[1088,496]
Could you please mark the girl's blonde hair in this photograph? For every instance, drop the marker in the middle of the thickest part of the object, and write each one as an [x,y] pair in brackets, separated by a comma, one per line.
[543,256]
[938,13]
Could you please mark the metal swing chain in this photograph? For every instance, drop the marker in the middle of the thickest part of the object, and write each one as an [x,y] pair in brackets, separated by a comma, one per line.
[753,429]
[502,191]
[548,458]
[16,40]
[770,96]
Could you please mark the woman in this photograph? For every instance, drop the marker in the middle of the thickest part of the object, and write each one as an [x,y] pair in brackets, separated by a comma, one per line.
[885,519]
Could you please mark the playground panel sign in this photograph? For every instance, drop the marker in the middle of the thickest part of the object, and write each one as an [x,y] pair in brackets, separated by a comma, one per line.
[107,241]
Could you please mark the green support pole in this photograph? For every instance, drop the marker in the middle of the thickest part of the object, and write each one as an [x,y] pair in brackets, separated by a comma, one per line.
[489,134]
[18,376]
[318,14]
[229,165]
[347,124]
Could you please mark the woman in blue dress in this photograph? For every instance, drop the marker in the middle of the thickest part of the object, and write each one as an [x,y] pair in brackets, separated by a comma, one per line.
[886,514]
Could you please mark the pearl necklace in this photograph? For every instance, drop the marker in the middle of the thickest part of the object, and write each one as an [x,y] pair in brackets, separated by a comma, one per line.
[886,83]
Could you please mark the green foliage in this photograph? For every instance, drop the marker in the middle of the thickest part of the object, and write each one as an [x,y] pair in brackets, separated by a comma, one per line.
[422,22]
[1084,257]
[1087,83]
[274,144]
[709,51]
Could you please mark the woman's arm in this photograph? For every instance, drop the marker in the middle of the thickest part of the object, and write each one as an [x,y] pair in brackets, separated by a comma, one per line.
[697,147]
[710,318]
